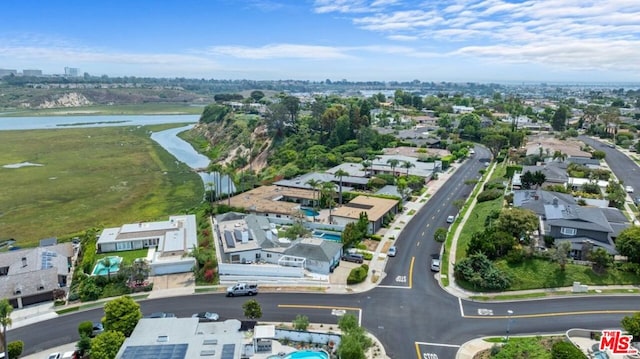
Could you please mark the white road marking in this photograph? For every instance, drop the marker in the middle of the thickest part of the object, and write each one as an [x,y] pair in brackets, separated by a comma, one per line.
[439,344]
[461,308]
[483,311]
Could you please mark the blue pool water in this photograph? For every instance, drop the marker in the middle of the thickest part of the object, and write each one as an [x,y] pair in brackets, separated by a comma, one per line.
[328,236]
[101,269]
[307,354]
[309,212]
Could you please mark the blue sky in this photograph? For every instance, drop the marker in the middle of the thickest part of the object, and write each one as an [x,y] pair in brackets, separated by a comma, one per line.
[357,40]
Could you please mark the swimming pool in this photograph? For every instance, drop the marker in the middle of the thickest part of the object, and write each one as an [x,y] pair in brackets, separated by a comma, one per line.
[308,354]
[309,212]
[101,269]
[336,237]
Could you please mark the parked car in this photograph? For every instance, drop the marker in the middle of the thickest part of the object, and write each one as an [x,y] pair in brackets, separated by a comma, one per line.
[242,289]
[97,329]
[435,264]
[629,189]
[69,355]
[161,315]
[353,257]
[392,251]
[206,316]
[54,356]
[450,219]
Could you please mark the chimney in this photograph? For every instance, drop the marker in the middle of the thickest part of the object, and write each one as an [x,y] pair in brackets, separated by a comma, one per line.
[24,262]
[555,201]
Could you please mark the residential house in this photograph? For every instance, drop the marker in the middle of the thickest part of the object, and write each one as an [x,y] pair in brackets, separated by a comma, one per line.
[555,174]
[29,276]
[248,238]
[377,210]
[564,220]
[169,242]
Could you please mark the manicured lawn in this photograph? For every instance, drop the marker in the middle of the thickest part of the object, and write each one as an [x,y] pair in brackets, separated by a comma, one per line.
[475,223]
[127,256]
[539,273]
[89,177]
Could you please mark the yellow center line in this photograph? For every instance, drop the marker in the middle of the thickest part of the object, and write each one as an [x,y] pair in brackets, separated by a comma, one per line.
[413,259]
[418,351]
[543,315]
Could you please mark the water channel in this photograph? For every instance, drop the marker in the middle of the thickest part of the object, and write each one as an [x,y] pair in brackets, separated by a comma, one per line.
[168,139]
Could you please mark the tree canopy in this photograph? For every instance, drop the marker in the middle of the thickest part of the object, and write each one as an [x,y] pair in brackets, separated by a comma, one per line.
[628,243]
[106,345]
[121,315]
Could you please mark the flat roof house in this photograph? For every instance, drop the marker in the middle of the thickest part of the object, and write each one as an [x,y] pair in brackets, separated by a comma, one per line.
[29,276]
[376,209]
[168,242]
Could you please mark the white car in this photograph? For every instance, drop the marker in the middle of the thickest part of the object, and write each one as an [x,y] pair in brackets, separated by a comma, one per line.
[206,316]
[450,219]
[435,265]
[392,251]
[629,189]
[54,356]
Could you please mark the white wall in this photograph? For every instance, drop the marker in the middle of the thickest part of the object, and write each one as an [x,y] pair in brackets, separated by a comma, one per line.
[259,270]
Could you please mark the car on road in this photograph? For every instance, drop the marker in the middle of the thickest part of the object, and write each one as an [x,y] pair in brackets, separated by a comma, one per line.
[69,355]
[161,315]
[206,316]
[54,356]
[435,264]
[628,189]
[450,219]
[636,201]
[392,251]
[97,329]
[353,257]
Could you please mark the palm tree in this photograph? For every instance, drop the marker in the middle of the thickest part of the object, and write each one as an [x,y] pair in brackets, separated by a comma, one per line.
[393,163]
[340,173]
[5,321]
[366,165]
[407,165]
[106,262]
[328,189]
[315,185]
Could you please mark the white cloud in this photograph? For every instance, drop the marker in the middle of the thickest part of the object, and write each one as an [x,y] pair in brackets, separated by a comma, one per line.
[402,37]
[340,6]
[275,51]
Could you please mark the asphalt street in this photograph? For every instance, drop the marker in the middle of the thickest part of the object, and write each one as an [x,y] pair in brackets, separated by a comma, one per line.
[409,313]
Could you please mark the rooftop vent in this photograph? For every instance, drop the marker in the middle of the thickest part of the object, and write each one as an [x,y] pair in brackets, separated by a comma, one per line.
[162,339]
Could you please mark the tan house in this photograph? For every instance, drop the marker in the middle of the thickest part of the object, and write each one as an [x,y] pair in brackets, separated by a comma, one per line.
[376,209]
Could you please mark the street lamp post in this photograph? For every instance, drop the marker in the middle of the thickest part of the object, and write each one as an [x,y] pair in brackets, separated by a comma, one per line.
[509,314]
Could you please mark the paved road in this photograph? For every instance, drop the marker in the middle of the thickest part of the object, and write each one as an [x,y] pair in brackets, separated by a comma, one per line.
[625,169]
[410,313]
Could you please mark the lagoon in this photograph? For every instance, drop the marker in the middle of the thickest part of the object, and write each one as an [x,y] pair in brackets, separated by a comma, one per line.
[61,122]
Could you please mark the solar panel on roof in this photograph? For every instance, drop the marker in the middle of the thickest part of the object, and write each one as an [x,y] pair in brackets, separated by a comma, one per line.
[228,351]
[165,351]
[228,237]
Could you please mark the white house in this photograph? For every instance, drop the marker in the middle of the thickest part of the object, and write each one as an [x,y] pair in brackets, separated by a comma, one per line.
[168,242]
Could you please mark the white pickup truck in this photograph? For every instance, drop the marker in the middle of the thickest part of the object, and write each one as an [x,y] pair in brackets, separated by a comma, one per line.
[242,289]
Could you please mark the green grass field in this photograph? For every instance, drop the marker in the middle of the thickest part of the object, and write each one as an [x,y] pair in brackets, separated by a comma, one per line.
[90,177]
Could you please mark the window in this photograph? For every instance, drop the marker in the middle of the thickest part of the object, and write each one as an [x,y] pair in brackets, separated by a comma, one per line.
[568,231]
[268,255]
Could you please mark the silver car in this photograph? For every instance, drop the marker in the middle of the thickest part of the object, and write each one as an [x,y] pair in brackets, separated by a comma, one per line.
[392,251]
[435,265]
[206,316]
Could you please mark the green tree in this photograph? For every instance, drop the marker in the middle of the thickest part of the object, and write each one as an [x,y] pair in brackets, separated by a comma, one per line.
[560,254]
[495,143]
[85,328]
[296,230]
[393,163]
[252,309]
[121,315]
[15,349]
[628,243]
[84,344]
[328,190]
[351,235]
[315,185]
[559,120]
[350,348]
[257,95]
[631,324]
[566,350]
[440,235]
[140,270]
[339,174]
[106,345]
[348,322]
[601,260]
[5,320]
[301,322]
[518,222]
[407,165]
[539,178]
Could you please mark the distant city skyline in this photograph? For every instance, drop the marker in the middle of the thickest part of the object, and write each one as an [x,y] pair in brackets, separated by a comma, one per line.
[358,40]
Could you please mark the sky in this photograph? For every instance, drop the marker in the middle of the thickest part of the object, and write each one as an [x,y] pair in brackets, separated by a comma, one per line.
[356,40]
